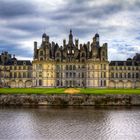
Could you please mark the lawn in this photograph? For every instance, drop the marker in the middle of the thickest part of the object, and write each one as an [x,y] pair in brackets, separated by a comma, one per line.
[64,91]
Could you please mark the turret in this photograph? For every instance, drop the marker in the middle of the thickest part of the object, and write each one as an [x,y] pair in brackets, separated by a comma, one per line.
[76,43]
[97,39]
[64,43]
[35,50]
[44,36]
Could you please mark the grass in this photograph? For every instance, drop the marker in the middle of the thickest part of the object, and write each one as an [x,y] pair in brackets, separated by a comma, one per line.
[62,91]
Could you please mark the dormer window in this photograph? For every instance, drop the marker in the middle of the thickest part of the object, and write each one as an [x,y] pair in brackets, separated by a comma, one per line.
[43,39]
[97,39]
[15,63]
[24,63]
[41,53]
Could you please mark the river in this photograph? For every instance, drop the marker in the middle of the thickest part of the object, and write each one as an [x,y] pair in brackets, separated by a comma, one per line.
[69,123]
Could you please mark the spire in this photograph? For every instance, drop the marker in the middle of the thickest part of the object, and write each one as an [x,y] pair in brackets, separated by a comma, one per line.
[70,32]
[70,37]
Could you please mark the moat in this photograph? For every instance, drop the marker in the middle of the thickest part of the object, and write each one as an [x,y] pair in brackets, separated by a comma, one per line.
[76,123]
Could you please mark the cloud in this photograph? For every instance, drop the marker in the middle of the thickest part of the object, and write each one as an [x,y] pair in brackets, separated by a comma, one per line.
[13,9]
[117,22]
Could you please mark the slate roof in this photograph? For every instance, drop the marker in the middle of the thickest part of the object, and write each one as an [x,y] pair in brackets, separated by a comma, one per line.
[123,63]
[19,62]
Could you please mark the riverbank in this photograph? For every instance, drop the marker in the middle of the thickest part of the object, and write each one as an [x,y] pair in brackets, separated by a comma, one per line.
[69,99]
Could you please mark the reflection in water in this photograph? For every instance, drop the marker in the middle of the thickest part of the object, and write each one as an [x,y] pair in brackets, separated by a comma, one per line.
[72,123]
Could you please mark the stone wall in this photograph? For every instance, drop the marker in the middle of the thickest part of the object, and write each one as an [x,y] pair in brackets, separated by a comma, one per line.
[69,99]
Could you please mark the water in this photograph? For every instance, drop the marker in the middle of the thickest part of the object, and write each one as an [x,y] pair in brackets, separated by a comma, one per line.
[71,123]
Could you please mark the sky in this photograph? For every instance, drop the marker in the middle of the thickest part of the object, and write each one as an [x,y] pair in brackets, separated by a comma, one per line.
[116,21]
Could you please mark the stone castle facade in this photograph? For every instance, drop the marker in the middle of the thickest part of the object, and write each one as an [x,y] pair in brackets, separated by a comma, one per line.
[70,65]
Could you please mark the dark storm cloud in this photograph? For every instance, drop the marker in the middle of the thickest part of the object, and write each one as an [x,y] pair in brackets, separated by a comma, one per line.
[12,9]
[28,26]
[25,20]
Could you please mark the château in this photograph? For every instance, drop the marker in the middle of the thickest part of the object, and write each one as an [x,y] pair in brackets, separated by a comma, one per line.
[70,65]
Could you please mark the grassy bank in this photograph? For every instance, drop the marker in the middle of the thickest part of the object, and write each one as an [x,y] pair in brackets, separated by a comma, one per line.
[63,91]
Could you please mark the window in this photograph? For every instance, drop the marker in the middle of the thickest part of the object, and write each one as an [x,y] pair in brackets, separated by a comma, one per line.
[57,83]
[15,63]
[57,67]
[70,67]
[40,82]
[67,67]
[129,75]
[120,75]
[116,75]
[83,54]
[40,74]
[101,83]
[58,54]
[82,75]
[57,75]
[70,75]
[19,75]
[83,60]
[124,75]
[24,63]
[104,74]
[15,75]
[66,74]
[24,75]
[133,75]
[103,53]
[41,58]
[41,53]
[137,75]
[104,66]
[112,75]
[104,82]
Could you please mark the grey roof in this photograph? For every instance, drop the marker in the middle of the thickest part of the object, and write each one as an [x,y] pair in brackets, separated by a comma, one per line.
[123,63]
[19,62]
